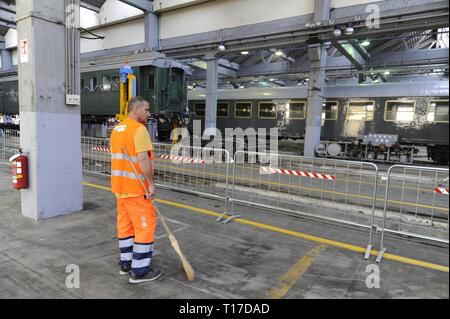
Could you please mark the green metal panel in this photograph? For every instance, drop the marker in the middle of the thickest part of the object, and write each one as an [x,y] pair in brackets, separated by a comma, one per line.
[9,97]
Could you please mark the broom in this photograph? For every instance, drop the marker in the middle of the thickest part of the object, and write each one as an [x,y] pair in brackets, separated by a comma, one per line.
[186,265]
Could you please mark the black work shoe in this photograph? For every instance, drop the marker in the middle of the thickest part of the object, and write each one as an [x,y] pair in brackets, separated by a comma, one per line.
[153,274]
[125,270]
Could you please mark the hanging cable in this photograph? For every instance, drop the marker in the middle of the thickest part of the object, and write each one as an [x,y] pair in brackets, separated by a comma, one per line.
[95,36]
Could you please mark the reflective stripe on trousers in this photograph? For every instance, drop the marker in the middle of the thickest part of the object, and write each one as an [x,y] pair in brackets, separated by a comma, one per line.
[142,257]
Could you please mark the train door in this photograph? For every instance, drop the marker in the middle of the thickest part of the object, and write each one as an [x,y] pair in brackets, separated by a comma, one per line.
[148,88]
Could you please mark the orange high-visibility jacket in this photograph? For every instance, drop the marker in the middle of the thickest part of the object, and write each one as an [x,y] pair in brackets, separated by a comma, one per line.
[123,178]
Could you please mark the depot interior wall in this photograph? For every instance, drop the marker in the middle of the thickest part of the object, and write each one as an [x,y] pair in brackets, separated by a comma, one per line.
[88,18]
[115,10]
[222,14]
[347,3]
[117,35]
[162,5]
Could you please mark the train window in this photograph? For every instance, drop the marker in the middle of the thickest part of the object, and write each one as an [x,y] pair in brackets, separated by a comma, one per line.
[330,111]
[82,84]
[267,110]
[115,83]
[243,110]
[151,81]
[438,111]
[399,111]
[106,83]
[92,83]
[361,111]
[297,110]
[199,109]
[222,109]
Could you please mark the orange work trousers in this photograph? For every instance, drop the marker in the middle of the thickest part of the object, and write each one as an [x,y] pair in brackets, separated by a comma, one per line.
[136,218]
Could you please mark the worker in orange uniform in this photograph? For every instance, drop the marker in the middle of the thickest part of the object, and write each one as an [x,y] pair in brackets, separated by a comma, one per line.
[136,219]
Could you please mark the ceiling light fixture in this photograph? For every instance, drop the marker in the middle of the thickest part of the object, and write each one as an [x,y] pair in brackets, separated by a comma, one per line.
[221,47]
[337,32]
[279,53]
[245,52]
[349,30]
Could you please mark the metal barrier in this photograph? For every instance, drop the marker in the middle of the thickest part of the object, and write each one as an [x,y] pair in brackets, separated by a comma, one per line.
[96,155]
[333,190]
[195,170]
[9,143]
[425,215]
[414,202]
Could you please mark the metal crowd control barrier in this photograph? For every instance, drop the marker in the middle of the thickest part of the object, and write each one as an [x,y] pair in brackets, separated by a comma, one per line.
[2,144]
[420,210]
[195,170]
[96,155]
[9,143]
[337,191]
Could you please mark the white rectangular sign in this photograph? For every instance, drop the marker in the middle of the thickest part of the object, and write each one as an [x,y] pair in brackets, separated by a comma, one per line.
[72,99]
[24,51]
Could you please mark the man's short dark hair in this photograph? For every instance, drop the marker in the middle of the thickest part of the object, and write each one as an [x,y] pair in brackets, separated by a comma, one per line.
[137,101]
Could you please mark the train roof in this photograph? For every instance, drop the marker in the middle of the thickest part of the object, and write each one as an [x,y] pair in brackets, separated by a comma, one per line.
[429,88]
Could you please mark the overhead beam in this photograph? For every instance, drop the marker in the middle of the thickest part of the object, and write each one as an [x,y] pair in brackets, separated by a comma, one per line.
[7,6]
[8,16]
[7,25]
[379,61]
[89,7]
[361,50]
[412,56]
[225,68]
[421,40]
[283,56]
[349,51]
[143,5]
[388,44]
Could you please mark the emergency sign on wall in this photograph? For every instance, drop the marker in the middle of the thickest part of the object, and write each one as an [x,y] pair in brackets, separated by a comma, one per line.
[24,51]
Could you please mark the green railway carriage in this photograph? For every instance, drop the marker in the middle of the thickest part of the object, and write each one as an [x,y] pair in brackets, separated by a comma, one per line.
[165,90]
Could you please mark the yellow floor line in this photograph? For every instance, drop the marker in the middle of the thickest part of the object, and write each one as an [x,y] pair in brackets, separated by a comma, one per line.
[288,232]
[290,278]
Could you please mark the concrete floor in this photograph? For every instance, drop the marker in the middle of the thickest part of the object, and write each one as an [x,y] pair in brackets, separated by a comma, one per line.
[237,260]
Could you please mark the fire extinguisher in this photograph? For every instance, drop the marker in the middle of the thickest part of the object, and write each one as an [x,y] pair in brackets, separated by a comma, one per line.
[19,170]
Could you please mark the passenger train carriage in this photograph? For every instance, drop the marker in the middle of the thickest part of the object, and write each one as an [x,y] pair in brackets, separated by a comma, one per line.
[354,123]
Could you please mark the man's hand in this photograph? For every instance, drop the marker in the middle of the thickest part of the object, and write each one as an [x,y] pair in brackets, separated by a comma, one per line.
[152,191]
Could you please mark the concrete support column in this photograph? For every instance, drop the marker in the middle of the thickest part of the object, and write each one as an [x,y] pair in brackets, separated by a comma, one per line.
[317,58]
[318,61]
[151,22]
[6,58]
[50,130]
[212,78]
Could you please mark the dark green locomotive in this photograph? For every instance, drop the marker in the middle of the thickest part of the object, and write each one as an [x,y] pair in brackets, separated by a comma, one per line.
[158,80]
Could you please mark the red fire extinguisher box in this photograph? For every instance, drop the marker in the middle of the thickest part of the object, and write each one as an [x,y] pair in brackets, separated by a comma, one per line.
[19,171]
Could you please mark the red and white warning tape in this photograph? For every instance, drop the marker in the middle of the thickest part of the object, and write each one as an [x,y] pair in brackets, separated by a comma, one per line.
[440,190]
[182,159]
[101,149]
[270,170]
